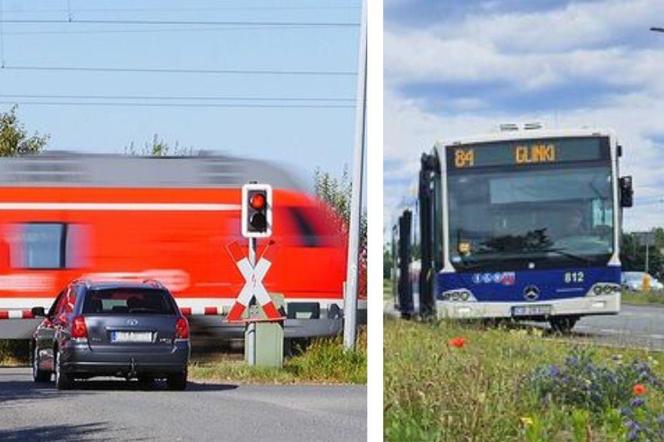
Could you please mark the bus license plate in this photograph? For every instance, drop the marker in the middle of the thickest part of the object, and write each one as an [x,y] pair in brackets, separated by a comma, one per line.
[531,310]
[120,336]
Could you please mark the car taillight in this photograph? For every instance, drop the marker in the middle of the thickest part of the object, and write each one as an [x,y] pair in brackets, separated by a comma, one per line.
[181,329]
[78,328]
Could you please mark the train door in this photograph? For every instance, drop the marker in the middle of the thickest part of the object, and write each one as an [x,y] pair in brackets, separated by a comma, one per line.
[4,256]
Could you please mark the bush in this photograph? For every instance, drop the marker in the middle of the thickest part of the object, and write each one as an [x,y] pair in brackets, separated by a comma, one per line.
[14,351]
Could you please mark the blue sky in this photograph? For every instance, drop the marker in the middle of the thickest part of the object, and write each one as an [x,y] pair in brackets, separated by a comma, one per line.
[302,138]
[461,68]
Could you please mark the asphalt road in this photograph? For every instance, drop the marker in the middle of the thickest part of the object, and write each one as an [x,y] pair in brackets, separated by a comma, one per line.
[641,326]
[116,410]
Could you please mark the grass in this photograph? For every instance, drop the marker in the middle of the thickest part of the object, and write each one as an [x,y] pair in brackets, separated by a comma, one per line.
[323,362]
[387,290]
[643,298]
[435,392]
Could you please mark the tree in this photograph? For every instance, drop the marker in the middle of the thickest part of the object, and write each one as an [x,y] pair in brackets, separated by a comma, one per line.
[14,139]
[158,148]
[633,254]
[337,192]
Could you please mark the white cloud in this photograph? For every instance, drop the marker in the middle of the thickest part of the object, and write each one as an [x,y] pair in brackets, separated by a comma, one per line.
[530,50]
[527,52]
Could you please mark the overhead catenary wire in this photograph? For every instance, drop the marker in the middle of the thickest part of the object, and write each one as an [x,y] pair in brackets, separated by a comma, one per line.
[175,97]
[216,8]
[154,30]
[210,105]
[180,71]
[184,22]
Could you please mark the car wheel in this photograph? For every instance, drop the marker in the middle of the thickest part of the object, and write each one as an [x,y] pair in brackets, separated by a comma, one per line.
[38,375]
[563,324]
[62,380]
[177,381]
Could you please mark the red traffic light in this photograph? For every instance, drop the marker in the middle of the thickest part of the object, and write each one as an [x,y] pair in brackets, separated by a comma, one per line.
[257,201]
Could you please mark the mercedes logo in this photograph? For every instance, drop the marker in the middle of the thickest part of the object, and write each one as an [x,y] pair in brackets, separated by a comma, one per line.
[132,322]
[531,293]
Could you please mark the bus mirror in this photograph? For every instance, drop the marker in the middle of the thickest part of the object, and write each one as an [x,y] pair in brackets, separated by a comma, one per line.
[626,192]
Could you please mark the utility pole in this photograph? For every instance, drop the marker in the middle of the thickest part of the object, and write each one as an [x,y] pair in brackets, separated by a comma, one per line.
[350,287]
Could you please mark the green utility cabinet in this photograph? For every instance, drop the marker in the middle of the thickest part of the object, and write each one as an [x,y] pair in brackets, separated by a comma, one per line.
[268,350]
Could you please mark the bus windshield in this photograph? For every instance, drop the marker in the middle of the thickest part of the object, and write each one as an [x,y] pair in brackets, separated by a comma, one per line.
[531,216]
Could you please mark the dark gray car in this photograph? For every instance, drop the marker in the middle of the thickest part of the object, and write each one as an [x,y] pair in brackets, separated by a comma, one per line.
[129,330]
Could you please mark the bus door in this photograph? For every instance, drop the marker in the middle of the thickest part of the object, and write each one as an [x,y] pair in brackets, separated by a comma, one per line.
[405,290]
[427,196]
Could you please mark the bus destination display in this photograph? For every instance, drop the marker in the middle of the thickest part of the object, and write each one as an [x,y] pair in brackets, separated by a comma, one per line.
[527,152]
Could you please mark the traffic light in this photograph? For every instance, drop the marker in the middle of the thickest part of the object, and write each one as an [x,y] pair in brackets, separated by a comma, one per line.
[256,210]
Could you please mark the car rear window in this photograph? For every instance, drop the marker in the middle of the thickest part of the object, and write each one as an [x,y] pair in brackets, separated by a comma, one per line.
[128,300]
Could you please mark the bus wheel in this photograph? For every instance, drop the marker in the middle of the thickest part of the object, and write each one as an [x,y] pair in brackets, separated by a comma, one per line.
[563,324]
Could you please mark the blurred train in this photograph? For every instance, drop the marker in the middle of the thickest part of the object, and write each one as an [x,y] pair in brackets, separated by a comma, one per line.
[65,216]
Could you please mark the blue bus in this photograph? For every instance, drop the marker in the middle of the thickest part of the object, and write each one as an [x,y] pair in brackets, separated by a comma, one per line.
[522,224]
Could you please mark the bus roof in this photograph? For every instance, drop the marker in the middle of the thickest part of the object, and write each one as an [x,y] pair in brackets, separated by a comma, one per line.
[68,169]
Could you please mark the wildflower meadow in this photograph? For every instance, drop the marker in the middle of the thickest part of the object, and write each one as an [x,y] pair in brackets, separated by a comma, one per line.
[447,381]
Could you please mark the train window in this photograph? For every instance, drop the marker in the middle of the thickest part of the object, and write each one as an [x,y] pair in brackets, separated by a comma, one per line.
[306,229]
[77,246]
[44,245]
[41,246]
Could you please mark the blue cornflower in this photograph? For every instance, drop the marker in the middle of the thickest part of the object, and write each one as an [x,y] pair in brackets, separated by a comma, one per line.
[637,402]
[633,435]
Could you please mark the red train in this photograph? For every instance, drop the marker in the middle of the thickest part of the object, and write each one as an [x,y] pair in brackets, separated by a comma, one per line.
[66,216]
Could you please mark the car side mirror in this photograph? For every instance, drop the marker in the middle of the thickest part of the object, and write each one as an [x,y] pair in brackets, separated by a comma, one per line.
[38,312]
[626,192]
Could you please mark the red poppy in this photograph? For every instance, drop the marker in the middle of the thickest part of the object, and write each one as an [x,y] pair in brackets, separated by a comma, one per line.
[457,342]
[639,389]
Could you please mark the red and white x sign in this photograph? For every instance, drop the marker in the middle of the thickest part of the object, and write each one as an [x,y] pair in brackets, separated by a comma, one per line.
[253,286]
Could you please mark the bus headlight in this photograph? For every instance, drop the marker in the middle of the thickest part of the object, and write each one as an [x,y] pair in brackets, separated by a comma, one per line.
[461,295]
[603,289]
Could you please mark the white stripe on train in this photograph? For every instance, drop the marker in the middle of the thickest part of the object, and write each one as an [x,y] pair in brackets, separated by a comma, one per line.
[191,207]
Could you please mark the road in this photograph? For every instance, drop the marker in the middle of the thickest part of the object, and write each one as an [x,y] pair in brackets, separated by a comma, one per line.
[116,410]
[641,326]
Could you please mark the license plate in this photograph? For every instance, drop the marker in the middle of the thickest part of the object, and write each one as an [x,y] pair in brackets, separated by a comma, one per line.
[121,336]
[531,310]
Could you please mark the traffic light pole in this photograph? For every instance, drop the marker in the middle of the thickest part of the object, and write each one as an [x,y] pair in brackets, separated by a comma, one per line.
[251,326]
[350,292]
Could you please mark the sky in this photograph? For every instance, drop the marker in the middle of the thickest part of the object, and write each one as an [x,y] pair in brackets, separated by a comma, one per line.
[302,138]
[456,69]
